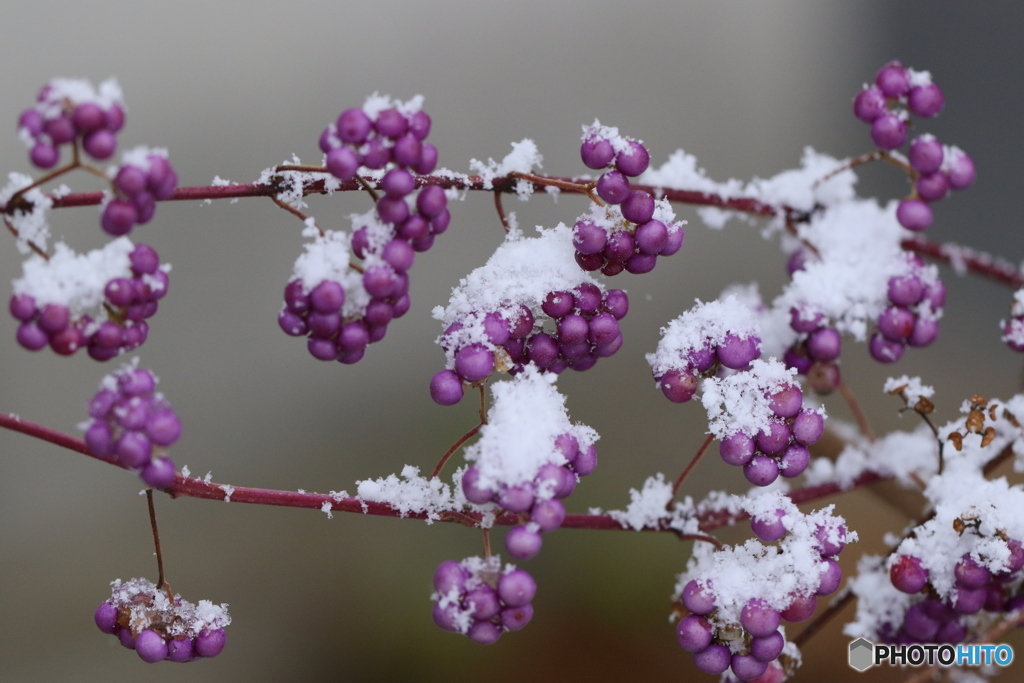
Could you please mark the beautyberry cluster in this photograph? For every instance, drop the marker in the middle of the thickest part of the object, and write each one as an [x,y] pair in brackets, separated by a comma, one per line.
[936,169]
[380,135]
[129,299]
[724,627]
[539,499]
[68,112]
[916,299]
[633,237]
[782,447]
[132,425]
[479,599]
[158,626]
[144,177]
[733,352]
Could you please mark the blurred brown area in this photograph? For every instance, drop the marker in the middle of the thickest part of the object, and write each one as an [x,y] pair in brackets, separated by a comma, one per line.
[231,88]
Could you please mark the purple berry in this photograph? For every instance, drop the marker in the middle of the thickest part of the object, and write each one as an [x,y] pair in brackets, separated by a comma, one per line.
[522,543]
[824,344]
[830,577]
[517,498]
[100,144]
[896,323]
[585,461]
[961,171]
[150,646]
[613,187]
[737,353]
[391,124]
[698,597]
[905,290]
[617,303]
[180,649]
[893,80]
[596,153]
[118,217]
[925,100]
[428,159]
[106,617]
[548,514]
[678,386]
[694,633]
[484,632]
[759,619]
[888,131]
[651,237]
[471,488]
[925,154]
[43,155]
[794,461]
[787,402]
[419,125]
[638,207]
[869,104]
[620,246]
[907,574]
[885,350]
[715,659]
[407,151]
[474,362]
[761,470]
[737,449]
[446,618]
[517,588]
[766,648]
[970,574]
[399,255]
[775,439]
[589,238]
[342,163]
[515,618]
[353,126]
[747,667]
[770,528]
[914,214]
[327,297]
[542,350]
[808,427]
[209,643]
[158,473]
[801,609]
[633,160]
[932,187]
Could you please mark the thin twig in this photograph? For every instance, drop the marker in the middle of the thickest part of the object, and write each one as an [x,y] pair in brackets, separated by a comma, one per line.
[304,168]
[31,245]
[501,211]
[366,186]
[487,544]
[690,466]
[160,582]
[701,537]
[295,212]
[454,447]
[858,413]
[483,404]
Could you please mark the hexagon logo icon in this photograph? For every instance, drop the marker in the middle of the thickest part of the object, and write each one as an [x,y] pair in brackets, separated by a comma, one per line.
[862,654]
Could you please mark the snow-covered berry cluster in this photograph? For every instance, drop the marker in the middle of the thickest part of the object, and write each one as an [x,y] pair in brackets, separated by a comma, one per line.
[123,281]
[815,350]
[916,299]
[144,177]
[631,236]
[342,312]
[147,619]
[1013,329]
[710,336]
[479,599]
[937,169]
[132,425]
[495,319]
[735,598]
[68,111]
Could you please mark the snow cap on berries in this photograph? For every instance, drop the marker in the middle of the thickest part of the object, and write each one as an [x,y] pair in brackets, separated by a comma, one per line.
[527,415]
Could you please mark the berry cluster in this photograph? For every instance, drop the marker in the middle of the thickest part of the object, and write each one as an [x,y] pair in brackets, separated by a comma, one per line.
[782,447]
[129,298]
[586,328]
[68,111]
[144,177]
[936,169]
[479,599]
[916,297]
[733,351]
[723,627]
[633,237]
[975,588]
[132,424]
[158,626]
[816,349]
[540,498]
[1013,329]
[380,134]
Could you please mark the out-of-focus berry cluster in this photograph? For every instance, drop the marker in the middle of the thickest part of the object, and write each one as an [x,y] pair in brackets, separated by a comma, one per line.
[144,177]
[147,619]
[128,300]
[1013,329]
[479,599]
[632,238]
[937,169]
[132,425]
[69,112]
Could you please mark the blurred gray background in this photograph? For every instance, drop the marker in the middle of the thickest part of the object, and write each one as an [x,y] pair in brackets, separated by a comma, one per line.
[231,88]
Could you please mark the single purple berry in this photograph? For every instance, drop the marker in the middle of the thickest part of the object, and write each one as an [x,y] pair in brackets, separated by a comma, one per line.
[638,207]
[374,154]
[115,118]
[428,159]
[747,667]
[159,473]
[163,427]
[674,243]
[399,254]
[327,297]
[808,427]
[106,617]
[391,123]
[888,131]
[698,597]
[419,124]
[824,378]
[585,461]
[925,100]
[392,209]
[831,577]
[517,498]
[522,543]
[542,350]
[471,488]
[694,633]
[715,659]
[620,246]
[769,528]
[651,237]
[548,514]
[759,619]
[893,80]
[766,648]
[379,281]
[896,323]
[679,386]
[150,646]
[885,350]
[407,151]
[589,238]
[450,575]
[515,618]
[932,187]
[737,353]
[914,214]
[398,182]
[961,170]
[869,104]
[737,449]
[353,126]
[824,344]
[925,154]
[774,440]
[905,290]
[761,470]
[907,574]
[516,588]
[613,187]
[794,461]
[484,632]
[596,153]
[633,160]
[43,155]
[474,362]
[787,402]
[118,217]
[970,574]
[181,649]
[209,643]
[100,144]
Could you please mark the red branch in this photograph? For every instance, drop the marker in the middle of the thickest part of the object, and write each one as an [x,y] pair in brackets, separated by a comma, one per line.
[208,490]
[977,262]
